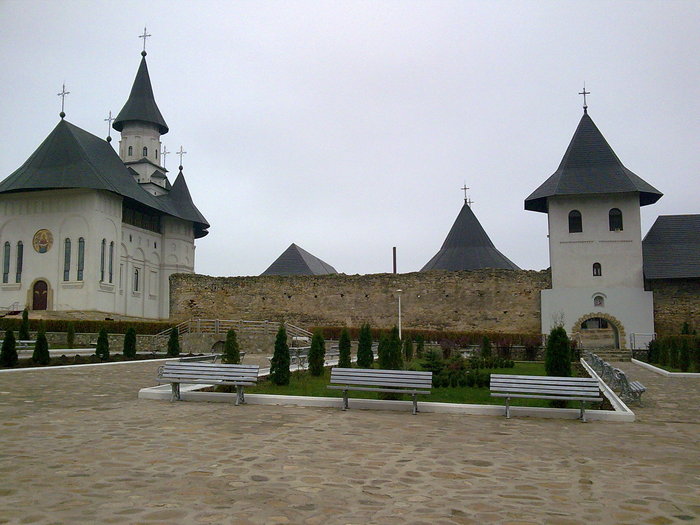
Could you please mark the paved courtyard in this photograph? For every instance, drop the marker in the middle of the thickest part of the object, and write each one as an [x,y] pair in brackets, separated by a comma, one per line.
[77,446]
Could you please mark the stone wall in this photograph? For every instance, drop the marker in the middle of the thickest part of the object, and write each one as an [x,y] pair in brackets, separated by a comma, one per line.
[492,300]
[675,302]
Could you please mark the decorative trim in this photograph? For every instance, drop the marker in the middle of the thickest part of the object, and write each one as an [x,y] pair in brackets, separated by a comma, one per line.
[11,286]
[107,287]
[72,284]
[621,336]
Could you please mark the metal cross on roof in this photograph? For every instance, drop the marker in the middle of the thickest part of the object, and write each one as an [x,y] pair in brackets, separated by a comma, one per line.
[63,94]
[144,36]
[109,120]
[464,189]
[469,201]
[584,93]
[164,153]
[181,153]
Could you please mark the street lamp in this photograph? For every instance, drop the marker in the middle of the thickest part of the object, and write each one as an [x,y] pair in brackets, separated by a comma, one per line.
[399,292]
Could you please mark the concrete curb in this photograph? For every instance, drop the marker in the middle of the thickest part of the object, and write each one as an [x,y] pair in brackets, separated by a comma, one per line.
[663,372]
[35,368]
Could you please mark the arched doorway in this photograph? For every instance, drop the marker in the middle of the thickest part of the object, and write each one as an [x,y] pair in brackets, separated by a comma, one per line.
[598,332]
[40,295]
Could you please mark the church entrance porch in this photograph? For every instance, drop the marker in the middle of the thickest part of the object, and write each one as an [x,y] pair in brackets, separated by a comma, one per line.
[40,295]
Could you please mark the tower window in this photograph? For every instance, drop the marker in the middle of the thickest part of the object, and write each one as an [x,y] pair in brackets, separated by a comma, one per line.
[597,270]
[66,260]
[6,263]
[20,257]
[615,219]
[145,151]
[131,151]
[136,279]
[111,260]
[575,222]
[156,153]
[81,258]
[102,260]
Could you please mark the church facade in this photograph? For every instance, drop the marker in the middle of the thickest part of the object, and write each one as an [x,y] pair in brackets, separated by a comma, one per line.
[83,228]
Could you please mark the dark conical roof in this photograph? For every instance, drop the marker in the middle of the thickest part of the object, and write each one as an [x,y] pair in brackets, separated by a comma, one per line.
[297,261]
[468,247]
[141,105]
[70,157]
[590,167]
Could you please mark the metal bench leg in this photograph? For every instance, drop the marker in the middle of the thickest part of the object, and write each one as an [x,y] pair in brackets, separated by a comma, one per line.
[239,395]
[415,405]
[583,412]
[345,400]
[507,408]
[175,392]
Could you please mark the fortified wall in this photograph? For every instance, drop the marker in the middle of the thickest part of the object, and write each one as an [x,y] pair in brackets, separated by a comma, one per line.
[675,301]
[489,300]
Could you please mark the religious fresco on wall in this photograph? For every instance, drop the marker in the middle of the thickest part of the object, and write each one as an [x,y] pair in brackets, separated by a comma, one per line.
[42,241]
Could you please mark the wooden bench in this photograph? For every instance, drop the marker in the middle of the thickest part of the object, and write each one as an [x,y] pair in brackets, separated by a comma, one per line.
[372,380]
[583,389]
[629,390]
[177,372]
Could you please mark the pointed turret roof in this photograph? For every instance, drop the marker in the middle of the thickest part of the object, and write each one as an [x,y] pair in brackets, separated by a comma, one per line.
[590,167]
[141,105]
[297,261]
[468,247]
[180,196]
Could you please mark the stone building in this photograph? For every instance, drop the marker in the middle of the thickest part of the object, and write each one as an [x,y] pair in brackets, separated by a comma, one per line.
[83,228]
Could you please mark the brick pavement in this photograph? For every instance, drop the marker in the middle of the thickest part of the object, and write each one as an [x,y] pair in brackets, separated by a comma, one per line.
[77,446]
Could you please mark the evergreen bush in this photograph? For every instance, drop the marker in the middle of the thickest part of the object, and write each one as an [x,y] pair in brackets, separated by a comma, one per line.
[558,353]
[433,362]
[672,354]
[485,347]
[279,365]
[130,344]
[408,349]
[390,351]
[317,354]
[232,352]
[23,334]
[70,335]
[174,343]
[344,346]
[696,355]
[420,346]
[654,350]
[8,353]
[102,350]
[41,355]
[685,329]
[365,358]
[663,353]
[684,355]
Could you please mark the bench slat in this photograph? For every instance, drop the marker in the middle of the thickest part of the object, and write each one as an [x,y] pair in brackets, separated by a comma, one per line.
[530,396]
[545,378]
[369,389]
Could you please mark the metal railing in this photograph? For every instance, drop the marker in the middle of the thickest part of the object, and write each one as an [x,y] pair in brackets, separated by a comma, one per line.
[221,326]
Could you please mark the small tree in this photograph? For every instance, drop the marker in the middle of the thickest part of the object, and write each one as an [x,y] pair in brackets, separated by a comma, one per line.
[102,350]
[685,329]
[557,359]
[317,354]
[684,354]
[344,346]
[41,355]
[485,347]
[654,351]
[390,351]
[420,346]
[70,335]
[232,352]
[365,358]
[408,349]
[174,342]
[23,334]
[130,343]
[279,365]
[8,353]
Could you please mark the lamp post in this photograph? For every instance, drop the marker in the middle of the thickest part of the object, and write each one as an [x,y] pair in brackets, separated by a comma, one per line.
[399,292]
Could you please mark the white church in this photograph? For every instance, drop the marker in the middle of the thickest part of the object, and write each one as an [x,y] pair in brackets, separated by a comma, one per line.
[84,228]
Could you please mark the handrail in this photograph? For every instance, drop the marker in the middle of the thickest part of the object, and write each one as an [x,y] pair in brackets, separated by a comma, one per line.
[221,326]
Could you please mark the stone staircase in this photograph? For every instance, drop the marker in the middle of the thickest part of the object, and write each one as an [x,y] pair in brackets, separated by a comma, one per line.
[612,354]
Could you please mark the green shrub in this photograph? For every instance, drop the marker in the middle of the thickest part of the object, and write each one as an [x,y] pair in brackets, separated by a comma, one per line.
[390,351]
[654,351]
[673,354]
[365,358]
[41,355]
[344,346]
[420,346]
[174,343]
[232,352]
[558,353]
[408,349]
[8,353]
[663,353]
[530,352]
[102,350]
[23,334]
[684,355]
[685,329]
[130,344]
[70,335]
[485,347]
[317,354]
[433,362]
[279,365]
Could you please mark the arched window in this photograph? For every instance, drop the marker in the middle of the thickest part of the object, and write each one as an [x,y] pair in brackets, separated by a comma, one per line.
[81,258]
[66,260]
[111,260]
[145,151]
[20,258]
[615,219]
[575,222]
[136,279]
[6,263]
[156,153]
[598,300]
[102,260]
[597,270]
[131,151]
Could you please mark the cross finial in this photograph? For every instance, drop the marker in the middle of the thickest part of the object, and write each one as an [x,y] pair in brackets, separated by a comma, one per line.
[584,93]
[464,189]
[469,201]
[144,36]
[63,94]
[109,120]
[164,153]
[181,153]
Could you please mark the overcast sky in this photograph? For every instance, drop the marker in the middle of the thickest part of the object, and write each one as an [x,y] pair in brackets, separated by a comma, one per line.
[349,127]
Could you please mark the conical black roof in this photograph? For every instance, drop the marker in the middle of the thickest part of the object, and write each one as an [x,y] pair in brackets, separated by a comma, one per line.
[297,261]
[141,105]
[180,196]
[590,167]
[468,247]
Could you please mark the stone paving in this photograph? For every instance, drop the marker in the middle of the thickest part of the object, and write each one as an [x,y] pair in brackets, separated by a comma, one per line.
[77,446]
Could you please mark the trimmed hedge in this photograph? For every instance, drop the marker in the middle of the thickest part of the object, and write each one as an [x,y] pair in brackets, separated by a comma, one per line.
[90,327]
[676,351]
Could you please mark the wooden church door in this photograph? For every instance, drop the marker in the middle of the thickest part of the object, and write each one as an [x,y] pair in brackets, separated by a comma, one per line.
[40,295]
